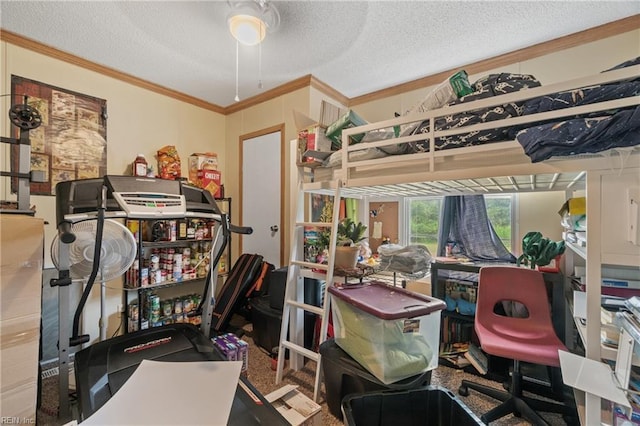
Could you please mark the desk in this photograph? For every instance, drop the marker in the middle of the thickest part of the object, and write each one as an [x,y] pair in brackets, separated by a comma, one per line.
[553,280]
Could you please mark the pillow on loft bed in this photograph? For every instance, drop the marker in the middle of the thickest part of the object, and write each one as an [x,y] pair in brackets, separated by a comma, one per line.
[581,135]
[453,88]
[335,159]
[382,135]
[488,86]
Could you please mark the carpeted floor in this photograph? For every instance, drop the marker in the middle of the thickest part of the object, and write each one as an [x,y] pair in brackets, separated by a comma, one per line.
[263,378]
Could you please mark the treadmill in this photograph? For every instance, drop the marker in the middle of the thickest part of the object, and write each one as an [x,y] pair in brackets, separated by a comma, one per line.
[102,368]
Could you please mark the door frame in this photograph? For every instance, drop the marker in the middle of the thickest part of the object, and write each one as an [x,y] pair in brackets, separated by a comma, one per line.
[241,140]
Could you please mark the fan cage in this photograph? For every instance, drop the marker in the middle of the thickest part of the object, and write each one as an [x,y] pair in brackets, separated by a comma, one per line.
[118,250]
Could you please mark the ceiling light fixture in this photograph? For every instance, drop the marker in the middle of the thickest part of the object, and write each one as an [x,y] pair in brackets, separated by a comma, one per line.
[248,23]
[248,30]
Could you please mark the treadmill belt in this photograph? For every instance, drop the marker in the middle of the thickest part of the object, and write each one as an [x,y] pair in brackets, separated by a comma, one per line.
[102,369]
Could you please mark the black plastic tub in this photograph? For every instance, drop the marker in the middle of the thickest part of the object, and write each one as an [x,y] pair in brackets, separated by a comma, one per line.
[344,376]
[426,406]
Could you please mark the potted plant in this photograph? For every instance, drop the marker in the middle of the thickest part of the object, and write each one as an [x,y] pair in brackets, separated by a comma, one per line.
[350,234]
[538,250]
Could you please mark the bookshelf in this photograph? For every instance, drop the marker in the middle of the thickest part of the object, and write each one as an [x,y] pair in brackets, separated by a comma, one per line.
[607,200]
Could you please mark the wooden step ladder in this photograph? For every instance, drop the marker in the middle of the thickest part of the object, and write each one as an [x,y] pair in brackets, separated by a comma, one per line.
[294,306]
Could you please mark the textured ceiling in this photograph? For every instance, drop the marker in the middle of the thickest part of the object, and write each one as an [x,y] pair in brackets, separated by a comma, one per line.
[354,47]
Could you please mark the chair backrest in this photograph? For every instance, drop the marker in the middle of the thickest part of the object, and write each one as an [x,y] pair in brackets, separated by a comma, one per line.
[511,283]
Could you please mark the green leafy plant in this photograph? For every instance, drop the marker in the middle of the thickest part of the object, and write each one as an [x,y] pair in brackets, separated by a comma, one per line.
[350,232]
[539,250]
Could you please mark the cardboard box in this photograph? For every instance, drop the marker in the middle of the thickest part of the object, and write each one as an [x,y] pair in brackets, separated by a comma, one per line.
[21,263]
[201,161]
[228,349]
[242,353]
[294,406]
[313,139]
[19,404]
[20,339]
[422,286]
[211,180]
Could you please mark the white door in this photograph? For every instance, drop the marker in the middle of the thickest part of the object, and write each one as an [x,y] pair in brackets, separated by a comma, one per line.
[261,195]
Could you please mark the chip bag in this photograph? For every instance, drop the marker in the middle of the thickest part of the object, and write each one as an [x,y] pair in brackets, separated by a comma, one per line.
[169,163]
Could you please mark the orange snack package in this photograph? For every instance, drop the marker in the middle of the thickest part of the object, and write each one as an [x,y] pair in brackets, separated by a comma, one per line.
[169,163]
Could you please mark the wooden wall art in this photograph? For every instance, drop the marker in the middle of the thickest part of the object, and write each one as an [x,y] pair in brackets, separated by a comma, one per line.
[71,143]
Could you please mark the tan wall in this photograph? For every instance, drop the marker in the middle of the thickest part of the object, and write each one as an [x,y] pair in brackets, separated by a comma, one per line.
[538,212]
[580,61]
[140,121]
[252,122]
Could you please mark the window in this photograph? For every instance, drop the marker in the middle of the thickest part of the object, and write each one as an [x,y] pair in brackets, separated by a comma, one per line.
[499,210]
[424,216]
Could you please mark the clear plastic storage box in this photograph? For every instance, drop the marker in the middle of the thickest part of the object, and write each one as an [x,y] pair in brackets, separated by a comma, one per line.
[390,331]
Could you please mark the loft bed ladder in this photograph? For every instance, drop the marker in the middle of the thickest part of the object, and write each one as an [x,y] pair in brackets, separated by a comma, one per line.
[292,327]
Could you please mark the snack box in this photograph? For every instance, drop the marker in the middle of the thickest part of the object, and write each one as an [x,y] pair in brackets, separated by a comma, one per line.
[201,161]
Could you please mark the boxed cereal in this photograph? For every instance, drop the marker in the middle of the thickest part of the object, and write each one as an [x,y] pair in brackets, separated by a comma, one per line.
[201,161]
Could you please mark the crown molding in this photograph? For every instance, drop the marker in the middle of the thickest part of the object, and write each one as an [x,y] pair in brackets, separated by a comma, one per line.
[52,52]
[561,43]
[299,83]
[592,34]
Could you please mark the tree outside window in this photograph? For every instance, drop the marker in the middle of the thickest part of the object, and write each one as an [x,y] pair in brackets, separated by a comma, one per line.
[423,221]
[424,217]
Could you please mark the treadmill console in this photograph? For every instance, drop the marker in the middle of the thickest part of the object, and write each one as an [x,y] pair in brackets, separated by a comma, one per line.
[134,197]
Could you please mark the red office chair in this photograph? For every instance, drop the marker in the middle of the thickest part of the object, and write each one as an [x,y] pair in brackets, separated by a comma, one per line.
[531,339]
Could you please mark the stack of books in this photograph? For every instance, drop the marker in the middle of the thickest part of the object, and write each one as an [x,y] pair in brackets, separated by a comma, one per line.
[464,354]
[478,359]
[454,354]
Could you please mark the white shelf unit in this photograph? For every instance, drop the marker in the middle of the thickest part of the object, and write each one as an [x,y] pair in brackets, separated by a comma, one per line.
[606,245]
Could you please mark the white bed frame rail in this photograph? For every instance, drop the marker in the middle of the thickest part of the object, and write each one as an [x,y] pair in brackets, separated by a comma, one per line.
[491,159]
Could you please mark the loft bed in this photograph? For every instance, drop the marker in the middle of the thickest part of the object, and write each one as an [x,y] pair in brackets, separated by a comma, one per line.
[537,138]
[501,165]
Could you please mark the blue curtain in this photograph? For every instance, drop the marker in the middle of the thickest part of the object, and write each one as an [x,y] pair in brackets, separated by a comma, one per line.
[464,225]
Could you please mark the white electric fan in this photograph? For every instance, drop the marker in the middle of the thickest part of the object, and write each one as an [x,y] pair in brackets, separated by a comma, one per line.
[117,253]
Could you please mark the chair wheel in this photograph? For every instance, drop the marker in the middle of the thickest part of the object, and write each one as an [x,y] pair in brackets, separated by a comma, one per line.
[463,391]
